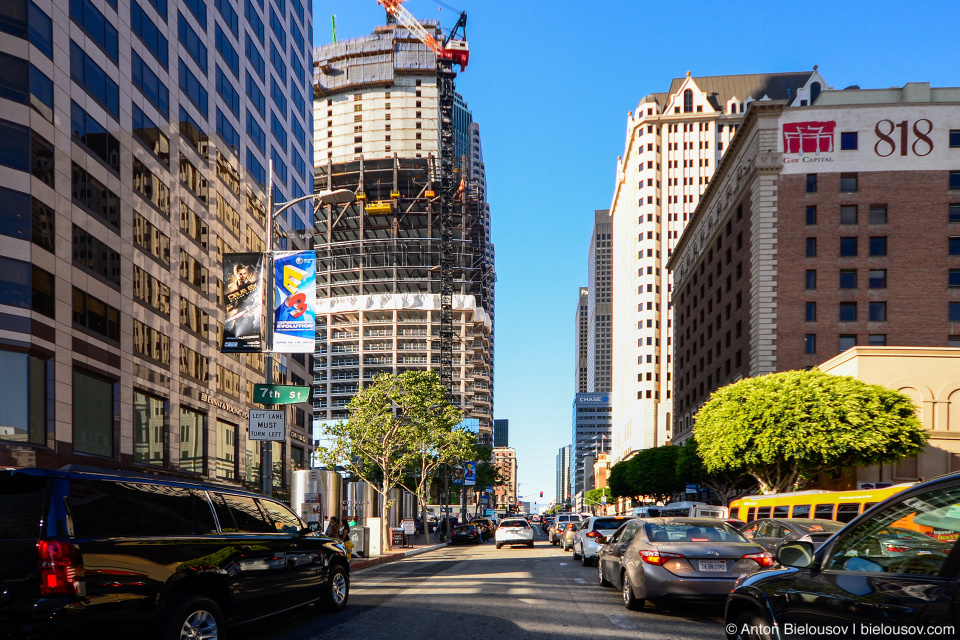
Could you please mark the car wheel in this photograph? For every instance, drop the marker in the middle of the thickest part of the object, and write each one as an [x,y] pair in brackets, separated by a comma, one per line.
[602,581]
[499,545]
[335,594]
[576,556]
[530,545]
[751,626]
[195,617]
[629,600]
[584,560]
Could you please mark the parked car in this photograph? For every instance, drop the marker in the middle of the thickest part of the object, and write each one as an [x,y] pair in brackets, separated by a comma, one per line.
[769,533]
[487,526]
[513,531]
[677,558]
[467,534]
[566,536]
[87,549]
[853,581]
[590,537]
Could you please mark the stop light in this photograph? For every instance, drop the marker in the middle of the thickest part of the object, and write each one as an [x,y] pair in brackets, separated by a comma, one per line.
[541,494]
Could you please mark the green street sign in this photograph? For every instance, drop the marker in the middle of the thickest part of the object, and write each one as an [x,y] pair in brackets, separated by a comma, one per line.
[280,394]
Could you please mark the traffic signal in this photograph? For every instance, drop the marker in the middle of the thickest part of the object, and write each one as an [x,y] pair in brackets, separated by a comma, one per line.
[541,494]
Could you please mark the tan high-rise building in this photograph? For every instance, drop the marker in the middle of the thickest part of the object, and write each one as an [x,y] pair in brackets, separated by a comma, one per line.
[505,460]
[674,142]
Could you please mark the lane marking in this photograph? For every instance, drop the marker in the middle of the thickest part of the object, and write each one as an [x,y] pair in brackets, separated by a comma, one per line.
[563,564]
[620,621]
[580,581]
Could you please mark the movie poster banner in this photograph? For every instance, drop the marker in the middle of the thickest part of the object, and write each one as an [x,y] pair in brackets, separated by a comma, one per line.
[295,310]
[243,298]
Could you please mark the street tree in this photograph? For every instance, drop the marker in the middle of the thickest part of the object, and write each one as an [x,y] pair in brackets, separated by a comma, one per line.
[488,474]
[727,484]
[785,428]
[653,473]
[594,497]
[617,480]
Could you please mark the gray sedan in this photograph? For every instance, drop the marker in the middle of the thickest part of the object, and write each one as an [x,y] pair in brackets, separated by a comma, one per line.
[677,558]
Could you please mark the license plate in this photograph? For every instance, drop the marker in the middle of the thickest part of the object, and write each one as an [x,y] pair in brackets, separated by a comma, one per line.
[713,566]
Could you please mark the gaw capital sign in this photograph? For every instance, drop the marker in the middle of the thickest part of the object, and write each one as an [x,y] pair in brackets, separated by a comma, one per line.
[267,425]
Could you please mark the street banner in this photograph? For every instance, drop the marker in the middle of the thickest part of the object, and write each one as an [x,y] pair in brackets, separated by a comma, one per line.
[295,310]
[469,474]
[243,299]
[457,473]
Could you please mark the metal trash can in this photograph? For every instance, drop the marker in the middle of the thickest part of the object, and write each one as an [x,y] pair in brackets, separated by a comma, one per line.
[360,537]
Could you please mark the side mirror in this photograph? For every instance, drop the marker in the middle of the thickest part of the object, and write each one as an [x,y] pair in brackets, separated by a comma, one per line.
[798,554]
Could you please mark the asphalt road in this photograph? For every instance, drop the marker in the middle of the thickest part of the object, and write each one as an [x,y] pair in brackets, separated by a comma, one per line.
[480,592]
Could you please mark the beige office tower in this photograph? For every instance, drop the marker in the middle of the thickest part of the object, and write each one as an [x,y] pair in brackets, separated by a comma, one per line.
[378,278]
[673,144]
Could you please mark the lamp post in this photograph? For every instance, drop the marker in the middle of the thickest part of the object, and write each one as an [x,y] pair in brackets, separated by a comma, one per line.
[335,196]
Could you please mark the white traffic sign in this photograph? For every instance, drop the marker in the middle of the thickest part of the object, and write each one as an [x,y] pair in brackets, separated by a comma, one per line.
[267,425]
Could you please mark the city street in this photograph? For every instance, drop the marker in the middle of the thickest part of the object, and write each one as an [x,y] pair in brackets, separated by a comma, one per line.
[483,592]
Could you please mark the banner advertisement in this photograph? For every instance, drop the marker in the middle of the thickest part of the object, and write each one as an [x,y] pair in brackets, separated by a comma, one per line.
[469,474]
[243,298]
[295,310]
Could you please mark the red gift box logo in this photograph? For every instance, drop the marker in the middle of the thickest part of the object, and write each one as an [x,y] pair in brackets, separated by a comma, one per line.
[808,137]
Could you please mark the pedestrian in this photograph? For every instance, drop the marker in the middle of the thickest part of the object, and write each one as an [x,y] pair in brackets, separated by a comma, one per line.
[333,528]
[443,529]
[345,536]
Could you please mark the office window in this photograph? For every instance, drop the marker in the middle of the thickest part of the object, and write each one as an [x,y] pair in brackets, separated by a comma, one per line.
[848,214]
[255,167]
[953,214]
[199,9]
[26,218]
[23,396]
[192,43]
[811,247]
[96,315]
[298,71]
[299,134]
[153,190]
[193,88]
[159,5]
[299,103]
[848,182]
[94,137]
[878,246]
[255,131]
[954,278]
[276,92]
[848,278]
[298,41]
[810,343]
[228,132]
[954,312]
[193,365]
[227,91]
[97,27]
[193,179]
[810,314]
[847,341]
[254,57]
[276,59]
[229,15]
[256,23]
[848,141]
[878,278]
[848,311]
[95,81]
[953,341]
[812,214]
[877,339]
[95,256]
[276,25]
[193,443]
[95,197]
[149,34]
[96,413]
[954,247]
[811,279]
[191,132]
[954,138]
[149,429]
[878,214]
[279,130]
[955,179]
[811,183]
[149,134]
[227,51]
[279,167]
[150,85]
[878,312]
[26,286]
[256,96]
[848,246]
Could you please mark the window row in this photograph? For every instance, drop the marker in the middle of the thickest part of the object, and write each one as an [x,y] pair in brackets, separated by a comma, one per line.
[877,312]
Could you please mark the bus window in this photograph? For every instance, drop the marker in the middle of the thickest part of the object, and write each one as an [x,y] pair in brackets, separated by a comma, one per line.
[801,511]
[781,511]
[751,514]
[735,513]
[763,512]
[823,511]
[847,512]
[867,506]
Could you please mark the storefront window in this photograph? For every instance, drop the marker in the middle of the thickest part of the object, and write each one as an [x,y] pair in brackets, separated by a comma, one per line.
[23,398]
[95,414]
[226,450]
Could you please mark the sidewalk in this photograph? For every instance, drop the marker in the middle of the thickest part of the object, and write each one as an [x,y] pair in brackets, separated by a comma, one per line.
[394,555]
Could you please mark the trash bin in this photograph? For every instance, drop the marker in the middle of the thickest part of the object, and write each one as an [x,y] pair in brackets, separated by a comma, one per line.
[360,537]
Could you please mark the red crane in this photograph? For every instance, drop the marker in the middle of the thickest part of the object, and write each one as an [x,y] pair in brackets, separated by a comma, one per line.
[456,51]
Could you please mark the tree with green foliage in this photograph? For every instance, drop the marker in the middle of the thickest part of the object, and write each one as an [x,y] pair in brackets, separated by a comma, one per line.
[728,485]
[785,428]
[653,473]
[593,499]
[617,481]
[394,424]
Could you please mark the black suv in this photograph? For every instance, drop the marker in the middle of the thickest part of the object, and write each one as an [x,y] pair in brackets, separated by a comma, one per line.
[111,553]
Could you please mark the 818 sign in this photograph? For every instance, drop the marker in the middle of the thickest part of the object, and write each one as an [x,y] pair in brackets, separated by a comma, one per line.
[887,144]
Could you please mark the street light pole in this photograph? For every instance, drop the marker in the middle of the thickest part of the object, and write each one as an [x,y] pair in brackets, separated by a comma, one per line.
[336,196]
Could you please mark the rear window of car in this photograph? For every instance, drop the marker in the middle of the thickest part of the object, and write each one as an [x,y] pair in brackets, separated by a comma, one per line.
[691,533]
[608,523]
[247,515]
[22,499]
[109,509]
[514,523]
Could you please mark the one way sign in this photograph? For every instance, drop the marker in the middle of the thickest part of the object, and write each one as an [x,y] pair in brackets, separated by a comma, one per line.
[267,425]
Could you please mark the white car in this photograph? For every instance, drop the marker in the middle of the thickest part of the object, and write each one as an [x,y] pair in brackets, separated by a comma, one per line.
[514,531]
[592,535]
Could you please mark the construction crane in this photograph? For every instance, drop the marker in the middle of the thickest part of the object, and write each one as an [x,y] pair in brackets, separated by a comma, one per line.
[452,51]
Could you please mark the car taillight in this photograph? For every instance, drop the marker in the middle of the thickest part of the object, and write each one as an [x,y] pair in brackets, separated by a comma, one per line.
[764,559]
[594,534]
[655,557]
[896,549]
[60,568]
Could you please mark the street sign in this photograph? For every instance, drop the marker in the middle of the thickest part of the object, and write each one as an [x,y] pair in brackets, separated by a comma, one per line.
[267,425]
[280,394]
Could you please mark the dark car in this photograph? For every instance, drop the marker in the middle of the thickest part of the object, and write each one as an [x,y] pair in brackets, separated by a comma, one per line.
[92,551]
[856,585]
[467,533]
[771,532]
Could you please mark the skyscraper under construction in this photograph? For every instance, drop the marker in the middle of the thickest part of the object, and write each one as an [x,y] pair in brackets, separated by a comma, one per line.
[378,260]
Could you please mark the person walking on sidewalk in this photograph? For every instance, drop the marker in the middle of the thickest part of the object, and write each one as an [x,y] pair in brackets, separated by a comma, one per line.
[443,529]
[345,536]
[333,528]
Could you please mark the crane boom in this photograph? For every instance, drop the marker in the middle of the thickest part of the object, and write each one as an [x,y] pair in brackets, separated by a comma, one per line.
[456,51]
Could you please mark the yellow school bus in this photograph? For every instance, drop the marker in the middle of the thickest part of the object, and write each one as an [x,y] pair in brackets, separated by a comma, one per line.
[842,506]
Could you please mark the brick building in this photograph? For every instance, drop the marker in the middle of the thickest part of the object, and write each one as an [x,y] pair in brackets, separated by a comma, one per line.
[824,228]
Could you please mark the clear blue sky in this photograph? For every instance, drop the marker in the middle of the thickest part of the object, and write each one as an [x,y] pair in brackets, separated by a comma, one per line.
[551,83]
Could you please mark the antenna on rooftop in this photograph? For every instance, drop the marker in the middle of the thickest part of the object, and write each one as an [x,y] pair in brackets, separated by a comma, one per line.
[333,26]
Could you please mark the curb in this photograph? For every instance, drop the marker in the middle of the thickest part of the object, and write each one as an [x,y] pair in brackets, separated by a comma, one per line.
[363,563]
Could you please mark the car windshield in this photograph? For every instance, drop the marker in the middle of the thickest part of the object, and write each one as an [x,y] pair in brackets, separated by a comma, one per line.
[465,528]
[608,523]
[514,523]
[682,532]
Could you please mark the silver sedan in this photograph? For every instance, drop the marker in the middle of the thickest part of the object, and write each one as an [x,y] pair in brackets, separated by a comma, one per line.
[677,558]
